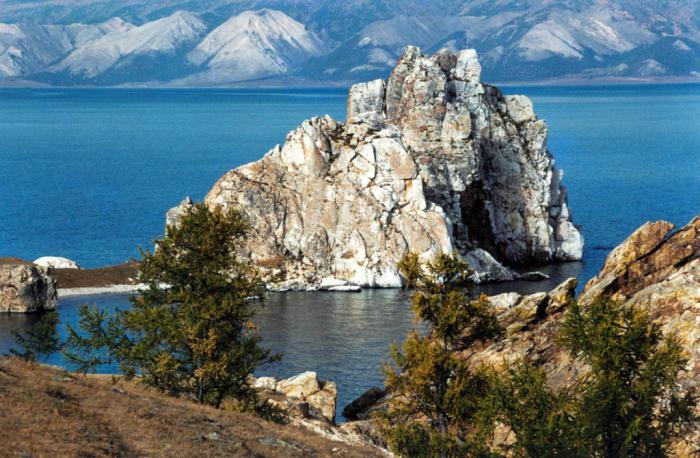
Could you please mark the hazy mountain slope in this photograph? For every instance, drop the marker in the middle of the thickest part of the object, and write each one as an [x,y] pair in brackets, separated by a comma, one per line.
[26,48]
[342,41]
[251,45]
[158,40]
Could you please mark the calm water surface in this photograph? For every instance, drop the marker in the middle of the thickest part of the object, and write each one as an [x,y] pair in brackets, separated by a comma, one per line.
[89,174]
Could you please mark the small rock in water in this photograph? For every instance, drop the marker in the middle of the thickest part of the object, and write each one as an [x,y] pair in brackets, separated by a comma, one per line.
[534,276]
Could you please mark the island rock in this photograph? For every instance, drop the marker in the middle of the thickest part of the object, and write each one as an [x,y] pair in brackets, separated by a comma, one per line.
[26,288]
[429,161]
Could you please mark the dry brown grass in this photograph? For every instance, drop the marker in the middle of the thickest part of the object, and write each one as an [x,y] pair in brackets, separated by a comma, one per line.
[122,274]
[47,412]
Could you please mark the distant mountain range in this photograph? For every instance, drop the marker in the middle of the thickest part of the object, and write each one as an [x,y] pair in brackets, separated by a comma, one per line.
[300,42]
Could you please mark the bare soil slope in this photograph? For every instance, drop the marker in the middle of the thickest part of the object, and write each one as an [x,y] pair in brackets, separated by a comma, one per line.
[50,412]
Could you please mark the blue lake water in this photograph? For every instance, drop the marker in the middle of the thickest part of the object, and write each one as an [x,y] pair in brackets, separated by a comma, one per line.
[88,174]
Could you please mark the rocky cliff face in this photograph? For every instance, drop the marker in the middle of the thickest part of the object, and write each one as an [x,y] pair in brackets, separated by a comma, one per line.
[430,160]
[26,288]
[655,269]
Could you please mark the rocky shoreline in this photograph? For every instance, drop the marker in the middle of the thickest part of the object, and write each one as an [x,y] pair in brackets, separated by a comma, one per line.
[656,269]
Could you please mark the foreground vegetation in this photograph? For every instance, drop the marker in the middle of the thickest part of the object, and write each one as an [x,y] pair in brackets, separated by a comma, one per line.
[626,401]
[190,335]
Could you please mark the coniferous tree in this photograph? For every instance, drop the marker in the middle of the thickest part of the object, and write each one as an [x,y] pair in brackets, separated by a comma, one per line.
[631,403]
[190,333]
[540,418]
[435,394]
[39,341]
[627,403]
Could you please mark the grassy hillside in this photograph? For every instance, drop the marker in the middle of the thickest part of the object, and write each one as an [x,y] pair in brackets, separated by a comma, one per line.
[49,412]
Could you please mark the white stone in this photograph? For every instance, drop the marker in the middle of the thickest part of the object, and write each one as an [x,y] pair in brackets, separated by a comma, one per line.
[265,383]
[468,67]
[56,262]
[486,267]
[519,108]
[331,282]
[345,289]
[429,161]
[300,386]
[366,103]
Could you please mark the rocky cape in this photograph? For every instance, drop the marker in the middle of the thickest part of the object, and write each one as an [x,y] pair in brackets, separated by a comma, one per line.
[656,269]
[430,160]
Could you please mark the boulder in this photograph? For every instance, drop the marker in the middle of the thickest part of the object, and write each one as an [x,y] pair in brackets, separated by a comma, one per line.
[265,383]
[430,160]
[300,386]
[26,288]
[323,402]
[303,395]
[56,262]
[358,408]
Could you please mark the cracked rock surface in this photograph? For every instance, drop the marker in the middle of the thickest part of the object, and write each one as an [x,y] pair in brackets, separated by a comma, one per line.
[26,288]
[430,160]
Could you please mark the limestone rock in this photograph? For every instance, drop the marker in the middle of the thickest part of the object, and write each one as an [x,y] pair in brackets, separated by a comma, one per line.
[56,262]
[648,256]
[172,218]
[265,383]
[323,402]
[300,386]
[430,160]
[304,395]
[26,288]
[654,269]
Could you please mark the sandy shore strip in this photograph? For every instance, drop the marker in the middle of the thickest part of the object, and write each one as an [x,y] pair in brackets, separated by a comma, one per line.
[100,290]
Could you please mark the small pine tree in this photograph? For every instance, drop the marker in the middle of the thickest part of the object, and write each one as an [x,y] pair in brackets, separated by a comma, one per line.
[190,333]
[434,393]
[39,341]
[631,403]
[540,418]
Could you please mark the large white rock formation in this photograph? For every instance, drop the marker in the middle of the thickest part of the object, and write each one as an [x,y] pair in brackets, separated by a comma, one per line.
[429,161]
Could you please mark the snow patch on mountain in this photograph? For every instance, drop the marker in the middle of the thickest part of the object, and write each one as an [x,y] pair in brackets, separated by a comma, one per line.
[568,35]
[163,36]
[254,44]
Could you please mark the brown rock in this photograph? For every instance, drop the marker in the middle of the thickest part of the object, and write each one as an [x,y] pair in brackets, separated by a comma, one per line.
[26,288]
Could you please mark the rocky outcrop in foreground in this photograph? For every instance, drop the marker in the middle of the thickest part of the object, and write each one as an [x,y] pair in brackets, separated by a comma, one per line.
[26,288]
[430,160]
[303,395]
[654,269]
